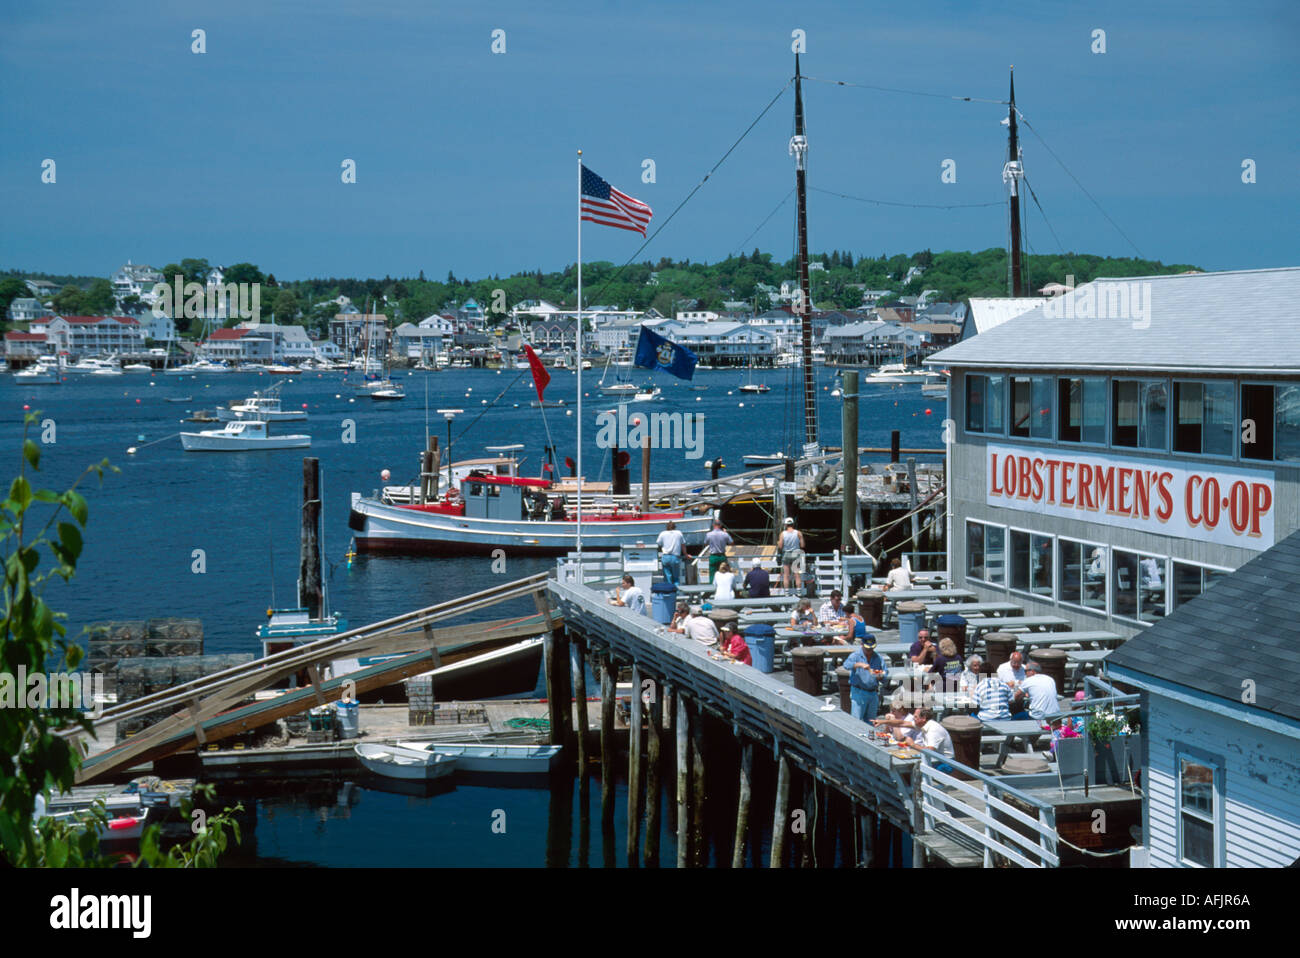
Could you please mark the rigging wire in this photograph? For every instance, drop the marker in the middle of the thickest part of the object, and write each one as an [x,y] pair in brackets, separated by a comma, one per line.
[888,89]
[1029,126]
[914,206]
[650,239]
[745,242]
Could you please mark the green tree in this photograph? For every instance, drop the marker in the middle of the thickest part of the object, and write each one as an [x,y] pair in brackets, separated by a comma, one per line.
[195,270]
[244,273]
[286,306]
[99,299]
[11,289]
[70,301]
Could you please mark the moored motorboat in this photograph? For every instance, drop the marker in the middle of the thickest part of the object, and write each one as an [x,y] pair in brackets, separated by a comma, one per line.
[241,436]
[264,405]
[279,369]
[39,374]
[492,757]
[395,761]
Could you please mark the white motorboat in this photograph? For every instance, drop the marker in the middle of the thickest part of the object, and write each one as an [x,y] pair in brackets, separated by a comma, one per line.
[39,374]
[396,761]
[761,461]
[492,757]
[278,369]
[264,405]
[208,366]
[137,368]
[242,436]
[899,373]
[755,388]
[647,395]
[619,389]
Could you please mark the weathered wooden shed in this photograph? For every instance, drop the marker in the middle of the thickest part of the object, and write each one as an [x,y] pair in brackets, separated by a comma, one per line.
[1220,686]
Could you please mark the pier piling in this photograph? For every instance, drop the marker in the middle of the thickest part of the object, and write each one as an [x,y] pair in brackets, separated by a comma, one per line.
[699,846]
[606,737]
[683,778]
[742,804]
[578,666]
[781,813]
[634,770]
[310,586]
[851,512]
[652,781]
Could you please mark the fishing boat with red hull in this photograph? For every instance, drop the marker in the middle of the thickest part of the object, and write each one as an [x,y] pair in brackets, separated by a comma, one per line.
[498,509]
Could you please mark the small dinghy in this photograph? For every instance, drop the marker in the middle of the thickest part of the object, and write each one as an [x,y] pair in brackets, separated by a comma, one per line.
[396,761]
[491,757]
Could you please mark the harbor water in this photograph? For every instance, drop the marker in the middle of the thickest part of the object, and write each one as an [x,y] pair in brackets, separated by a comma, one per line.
[214,536]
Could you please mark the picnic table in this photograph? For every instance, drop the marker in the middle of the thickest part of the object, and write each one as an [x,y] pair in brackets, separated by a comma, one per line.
[821,633]
[894,596]
[976,628]
[702,589]
[765,618]
[1026,731]
[1084,639]
[974,608]
[782,601]
[889,649]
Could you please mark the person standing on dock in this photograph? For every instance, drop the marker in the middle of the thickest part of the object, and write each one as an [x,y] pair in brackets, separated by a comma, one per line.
[716,544]
[866,669]
[791,545]
[672,545]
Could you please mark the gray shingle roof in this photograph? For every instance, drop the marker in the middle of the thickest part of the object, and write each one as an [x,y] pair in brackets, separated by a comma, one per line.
[1246,321]
[1245,627]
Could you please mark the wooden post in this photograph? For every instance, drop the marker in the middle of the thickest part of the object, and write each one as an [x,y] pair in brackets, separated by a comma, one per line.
[579,669]
[851,512]
[606,737]
[781,814]
[645,467]
[683,778]
[742,806]
[555,684]
[670,711]
[652,784]
[437,465]
[634,770]
[311,592]
[699,847]
[916,519]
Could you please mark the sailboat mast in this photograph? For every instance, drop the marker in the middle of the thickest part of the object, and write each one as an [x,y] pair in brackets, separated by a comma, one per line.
[1012,173]
[799,149]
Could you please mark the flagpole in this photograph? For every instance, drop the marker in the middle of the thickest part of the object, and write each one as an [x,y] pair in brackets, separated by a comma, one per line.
[578,344]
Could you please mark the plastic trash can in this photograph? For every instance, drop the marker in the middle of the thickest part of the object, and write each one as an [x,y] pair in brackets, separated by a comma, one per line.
[911,620]
[663,602]
[761,640]
[349,719]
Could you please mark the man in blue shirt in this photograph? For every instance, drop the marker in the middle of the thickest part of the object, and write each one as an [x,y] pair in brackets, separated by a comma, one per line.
[865,672]
[993,696]
[758,584]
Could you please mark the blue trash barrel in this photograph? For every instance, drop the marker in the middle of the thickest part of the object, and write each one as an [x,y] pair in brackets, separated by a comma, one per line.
[953,627]
[349,719]
[761,640]
[663,602]
[911,620]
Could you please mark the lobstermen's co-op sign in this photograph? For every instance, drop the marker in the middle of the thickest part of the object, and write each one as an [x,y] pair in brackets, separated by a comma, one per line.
[1223,505]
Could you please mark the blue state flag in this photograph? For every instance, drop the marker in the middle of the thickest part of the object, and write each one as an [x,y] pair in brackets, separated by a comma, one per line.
[655,352]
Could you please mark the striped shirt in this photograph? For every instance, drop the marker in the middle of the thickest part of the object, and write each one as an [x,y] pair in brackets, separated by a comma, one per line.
[993,698]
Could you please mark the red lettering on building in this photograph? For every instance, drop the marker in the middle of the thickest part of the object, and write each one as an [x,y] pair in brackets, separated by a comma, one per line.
[1105,481]
[1239,507]
[1023,470]
[1189,499]
[1086,500]
[1210,504]
[1037,494]
[1261,500]
[1067,497]
[993,475]
[1052,466]
[1166,507]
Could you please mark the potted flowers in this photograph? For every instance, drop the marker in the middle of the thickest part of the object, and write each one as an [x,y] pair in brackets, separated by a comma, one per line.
[1071,751]
[1115,745]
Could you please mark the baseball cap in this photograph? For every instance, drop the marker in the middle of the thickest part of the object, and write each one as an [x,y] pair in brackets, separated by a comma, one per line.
[789,522]
[868,641]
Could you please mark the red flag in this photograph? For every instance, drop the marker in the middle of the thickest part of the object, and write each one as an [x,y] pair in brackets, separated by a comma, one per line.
[541,378]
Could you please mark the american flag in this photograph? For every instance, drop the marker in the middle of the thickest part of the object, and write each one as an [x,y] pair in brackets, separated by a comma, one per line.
[603,204]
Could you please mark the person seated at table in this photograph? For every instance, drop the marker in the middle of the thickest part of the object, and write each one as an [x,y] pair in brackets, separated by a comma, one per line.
[802,617]
[898,578]
[971,678]
[630,596]
[848,624]
[725,580]
[992,696]
[683,610]
[898,721]
[832,610]
[758,584]
[1012,671]
[856,624]
[866,669]
[733,646]
[700,627]
[1041,690]
[930,734]
[947,664]
[922,651]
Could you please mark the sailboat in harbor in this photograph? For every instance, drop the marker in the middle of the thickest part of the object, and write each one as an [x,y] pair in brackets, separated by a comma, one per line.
[620,386]
[749,386]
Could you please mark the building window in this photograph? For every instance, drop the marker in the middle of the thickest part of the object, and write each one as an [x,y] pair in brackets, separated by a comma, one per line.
[1082,405]
[1031,563]
[1191,581]
[1200,811]
[1137,586]
[986,548]
[1204,418]
[1140,413]
[1083,574]
[1031,407]
[1270,422]
[985,404]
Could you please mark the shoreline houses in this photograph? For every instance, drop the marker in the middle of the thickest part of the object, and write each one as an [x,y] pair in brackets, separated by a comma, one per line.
[1115,455]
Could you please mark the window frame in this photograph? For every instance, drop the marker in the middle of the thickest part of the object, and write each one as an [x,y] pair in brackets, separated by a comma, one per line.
[1165,573]
[1038,596]
[1005,386]
[1104,611]
[1005,542]
[1202,566]
[1273,384]
[1113,411]
[1236,418]
[1217,817]
[1106,413]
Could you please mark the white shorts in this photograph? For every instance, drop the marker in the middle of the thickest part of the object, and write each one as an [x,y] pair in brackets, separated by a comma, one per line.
[794,559]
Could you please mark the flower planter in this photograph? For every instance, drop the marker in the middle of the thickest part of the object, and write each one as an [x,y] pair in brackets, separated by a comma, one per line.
[1109,762]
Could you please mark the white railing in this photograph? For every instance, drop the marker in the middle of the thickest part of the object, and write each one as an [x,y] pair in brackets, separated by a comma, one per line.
[979,811]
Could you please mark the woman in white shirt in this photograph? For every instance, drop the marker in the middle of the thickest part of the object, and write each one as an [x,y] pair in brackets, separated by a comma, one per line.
[725,580]
[898,578]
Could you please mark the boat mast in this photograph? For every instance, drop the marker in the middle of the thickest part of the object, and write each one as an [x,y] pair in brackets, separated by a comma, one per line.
[799,149]
[1012,173]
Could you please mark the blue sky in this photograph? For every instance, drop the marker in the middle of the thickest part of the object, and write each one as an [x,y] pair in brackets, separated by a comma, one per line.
[465,158]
